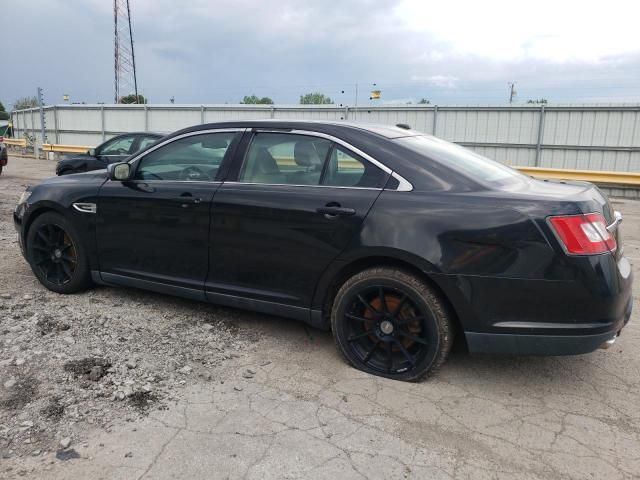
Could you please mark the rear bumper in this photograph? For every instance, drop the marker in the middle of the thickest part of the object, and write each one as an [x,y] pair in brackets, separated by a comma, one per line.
[515,344]
[547,344]
[545,317]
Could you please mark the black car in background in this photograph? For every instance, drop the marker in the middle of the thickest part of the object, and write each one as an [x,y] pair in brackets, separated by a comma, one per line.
[395,240]
[4,156]
[114,150]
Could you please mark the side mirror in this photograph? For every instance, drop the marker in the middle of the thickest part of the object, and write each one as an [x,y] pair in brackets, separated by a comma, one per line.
[91,152]
[119,171]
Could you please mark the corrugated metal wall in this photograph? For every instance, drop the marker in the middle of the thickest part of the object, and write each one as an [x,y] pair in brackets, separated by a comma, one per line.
[560,136]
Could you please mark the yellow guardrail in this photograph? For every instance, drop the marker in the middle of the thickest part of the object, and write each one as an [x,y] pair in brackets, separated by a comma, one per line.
[52,147]
[16,142]
[595,176]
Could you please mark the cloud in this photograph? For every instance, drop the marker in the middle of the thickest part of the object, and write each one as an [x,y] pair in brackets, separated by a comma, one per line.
[444,81]
[214,52]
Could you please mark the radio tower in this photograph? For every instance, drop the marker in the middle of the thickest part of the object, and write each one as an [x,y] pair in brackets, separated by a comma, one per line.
[124,58]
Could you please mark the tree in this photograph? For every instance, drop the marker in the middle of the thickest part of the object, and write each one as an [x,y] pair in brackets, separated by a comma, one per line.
[540,100]
[254,100]
[315,99]
[131,98]
[424,101]
[2,109]
[25,102]
[3,113]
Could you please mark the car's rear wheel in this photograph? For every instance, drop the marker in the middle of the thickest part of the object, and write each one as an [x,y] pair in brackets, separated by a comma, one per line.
[391,323]
[56,254]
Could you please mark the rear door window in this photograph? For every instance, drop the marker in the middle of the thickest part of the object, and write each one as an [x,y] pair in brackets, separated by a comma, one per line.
[346,169]
[284,159]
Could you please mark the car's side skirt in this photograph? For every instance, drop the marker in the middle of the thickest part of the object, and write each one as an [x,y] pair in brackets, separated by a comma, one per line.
[124,281]
[306,315]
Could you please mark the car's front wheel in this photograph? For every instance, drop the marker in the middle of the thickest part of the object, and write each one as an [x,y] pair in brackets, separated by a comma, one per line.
[56,255]
[391,323]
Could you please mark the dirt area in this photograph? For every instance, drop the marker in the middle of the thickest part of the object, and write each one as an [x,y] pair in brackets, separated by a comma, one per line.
[118,383]
[89,359]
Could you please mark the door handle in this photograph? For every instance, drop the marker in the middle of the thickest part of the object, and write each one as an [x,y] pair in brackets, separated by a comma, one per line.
[187,199]
[336,210]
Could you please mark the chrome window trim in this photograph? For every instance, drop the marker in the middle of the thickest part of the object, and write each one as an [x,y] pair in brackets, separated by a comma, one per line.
[209,182]
[404,185]
[299,185]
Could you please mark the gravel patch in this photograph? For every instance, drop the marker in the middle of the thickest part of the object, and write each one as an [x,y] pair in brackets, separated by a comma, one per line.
[69,363]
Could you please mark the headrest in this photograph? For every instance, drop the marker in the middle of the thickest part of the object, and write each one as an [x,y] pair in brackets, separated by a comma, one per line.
[305,154]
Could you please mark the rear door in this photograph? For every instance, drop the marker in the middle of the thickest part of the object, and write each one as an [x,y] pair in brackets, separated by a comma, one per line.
[294,204]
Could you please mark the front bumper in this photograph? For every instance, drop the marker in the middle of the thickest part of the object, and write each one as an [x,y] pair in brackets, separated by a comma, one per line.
[17,223]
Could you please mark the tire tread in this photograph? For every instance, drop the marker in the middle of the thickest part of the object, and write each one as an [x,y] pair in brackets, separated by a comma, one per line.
[439,308]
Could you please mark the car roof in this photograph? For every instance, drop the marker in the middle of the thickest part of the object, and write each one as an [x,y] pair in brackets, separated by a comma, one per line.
[387,131]
[149,134]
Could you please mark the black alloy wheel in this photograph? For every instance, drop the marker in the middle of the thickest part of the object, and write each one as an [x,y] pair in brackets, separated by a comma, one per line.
[390,323]
[56,254]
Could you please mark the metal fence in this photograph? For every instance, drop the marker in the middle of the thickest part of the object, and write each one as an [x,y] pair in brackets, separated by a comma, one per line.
[589,137]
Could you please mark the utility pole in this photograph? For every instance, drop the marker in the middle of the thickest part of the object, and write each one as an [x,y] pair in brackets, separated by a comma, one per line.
[43,126]
[124,59]
[355,112]
[512,91]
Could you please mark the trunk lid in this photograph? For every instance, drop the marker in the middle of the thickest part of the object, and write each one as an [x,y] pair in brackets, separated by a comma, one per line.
[568,197]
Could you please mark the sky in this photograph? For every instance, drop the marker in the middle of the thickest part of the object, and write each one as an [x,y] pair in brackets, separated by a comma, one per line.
[210,52]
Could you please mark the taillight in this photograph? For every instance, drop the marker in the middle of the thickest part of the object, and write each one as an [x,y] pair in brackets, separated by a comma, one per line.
[584,234]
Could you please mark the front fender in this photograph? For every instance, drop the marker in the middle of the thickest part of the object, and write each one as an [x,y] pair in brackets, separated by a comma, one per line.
[48,196]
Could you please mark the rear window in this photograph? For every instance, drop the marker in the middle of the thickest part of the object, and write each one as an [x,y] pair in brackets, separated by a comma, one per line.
[461,159]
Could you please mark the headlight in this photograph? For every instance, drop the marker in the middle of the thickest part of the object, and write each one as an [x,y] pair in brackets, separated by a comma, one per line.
[24,197]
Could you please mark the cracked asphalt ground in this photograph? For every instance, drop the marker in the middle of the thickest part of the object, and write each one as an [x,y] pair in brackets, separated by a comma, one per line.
[305,414]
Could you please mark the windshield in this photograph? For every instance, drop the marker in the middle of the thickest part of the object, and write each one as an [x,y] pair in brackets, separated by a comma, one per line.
[461,159]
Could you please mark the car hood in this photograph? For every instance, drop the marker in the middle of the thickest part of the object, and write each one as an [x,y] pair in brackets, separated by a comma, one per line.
[93,176]
[77,156]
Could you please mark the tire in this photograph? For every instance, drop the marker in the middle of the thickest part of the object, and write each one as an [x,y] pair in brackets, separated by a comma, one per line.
[56,254]
[385,313]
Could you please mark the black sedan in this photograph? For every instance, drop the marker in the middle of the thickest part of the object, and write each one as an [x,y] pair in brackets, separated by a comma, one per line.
[4,156]
[114,150]
[395,240]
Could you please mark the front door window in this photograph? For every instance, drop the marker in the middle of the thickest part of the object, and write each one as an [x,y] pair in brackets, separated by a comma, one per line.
[193,158]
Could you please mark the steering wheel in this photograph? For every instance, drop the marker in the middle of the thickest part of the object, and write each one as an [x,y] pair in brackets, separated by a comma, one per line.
[119,151]
[194,174]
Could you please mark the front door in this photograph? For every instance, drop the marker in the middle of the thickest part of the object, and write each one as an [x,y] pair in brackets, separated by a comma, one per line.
[294,205]
[155,227]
